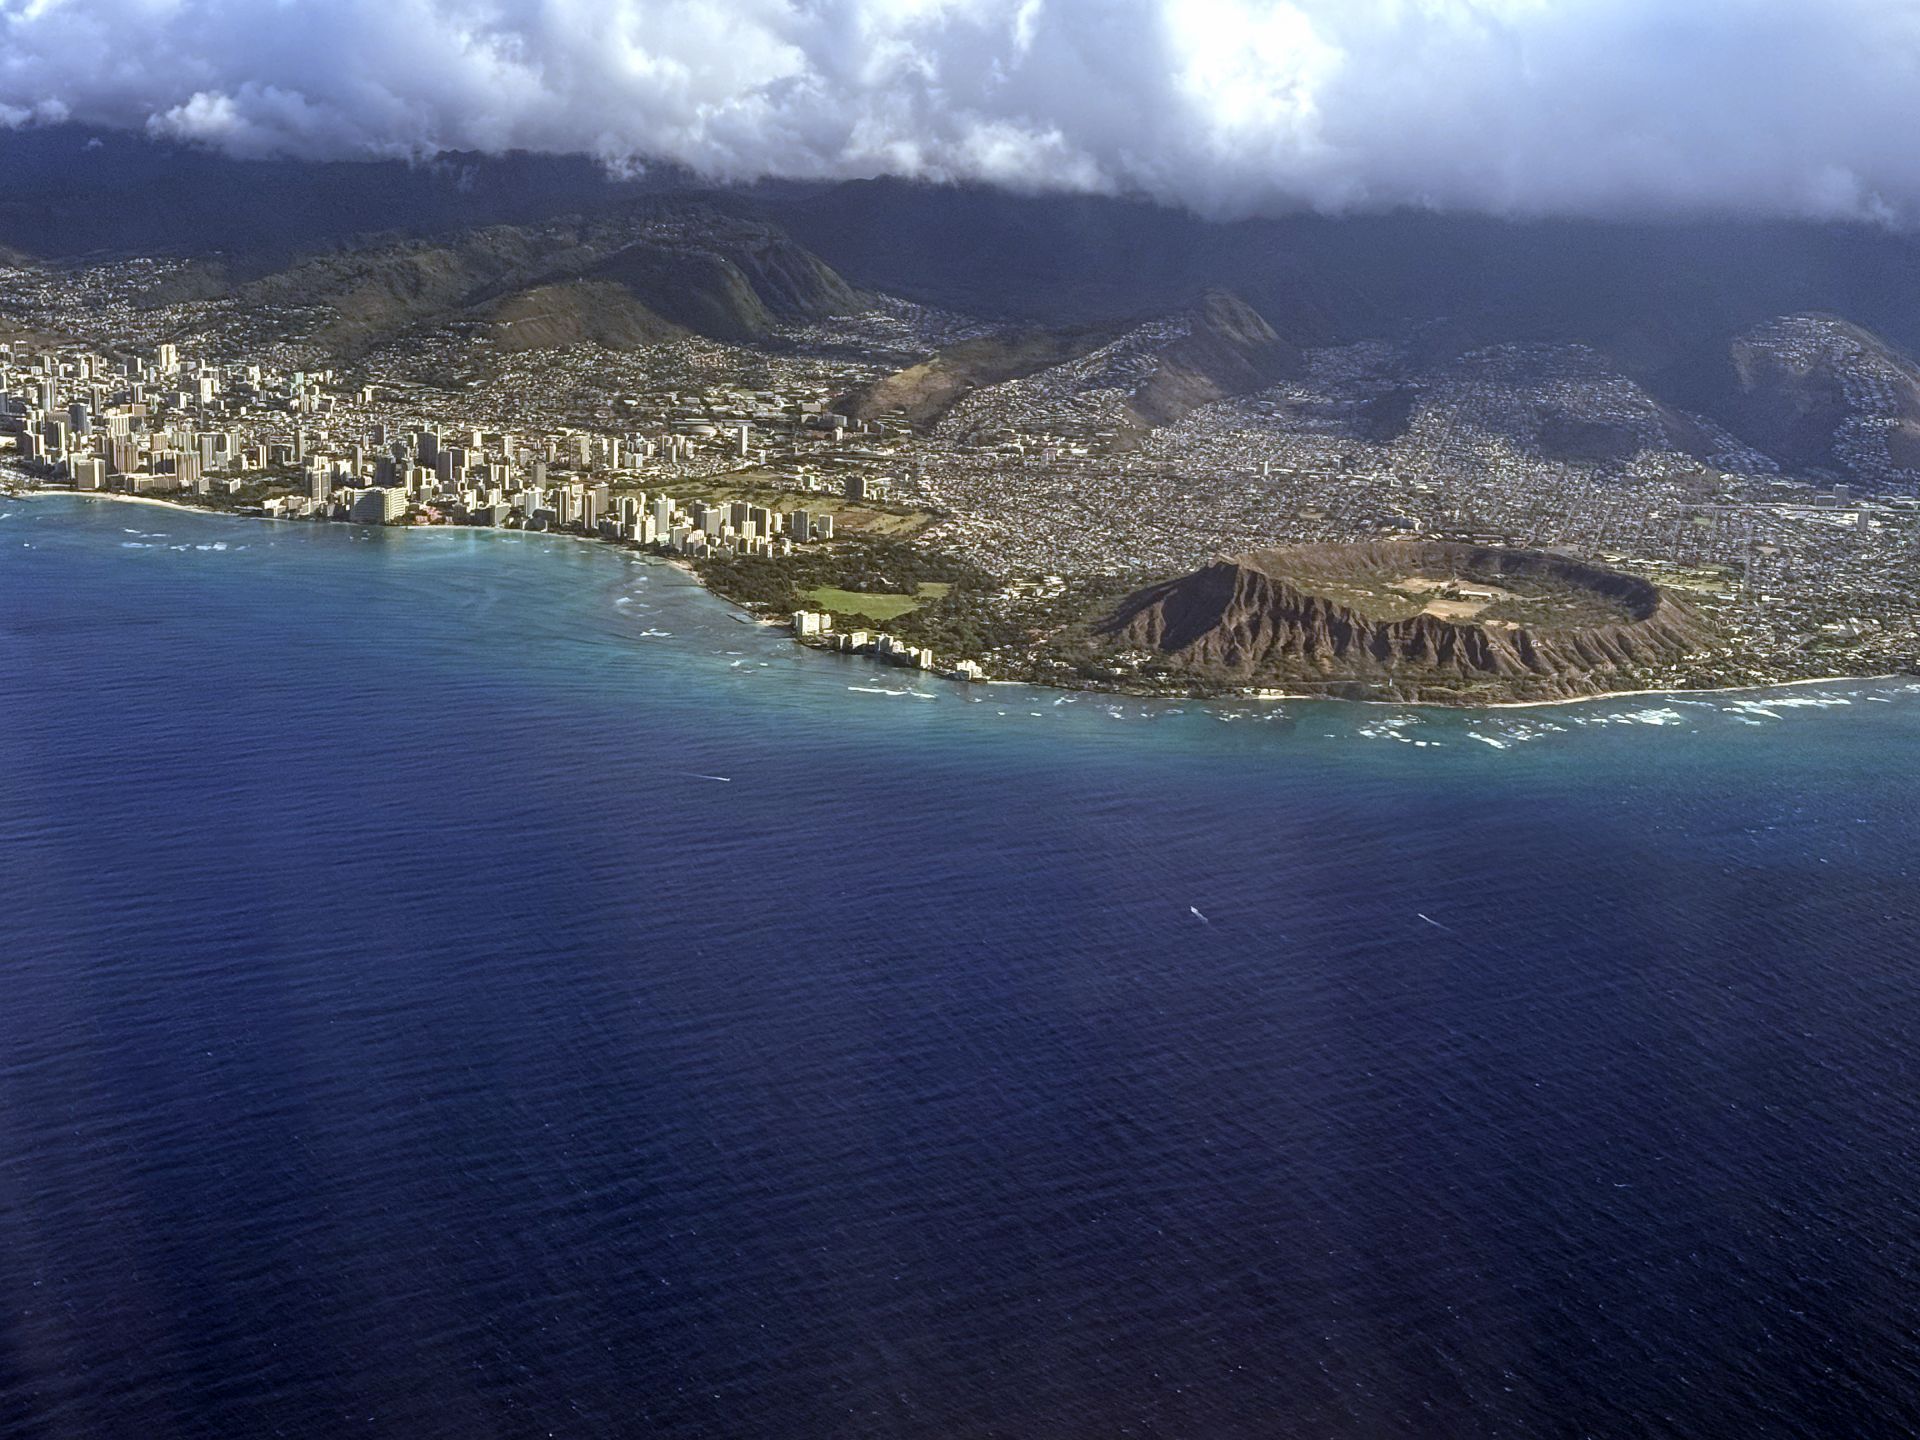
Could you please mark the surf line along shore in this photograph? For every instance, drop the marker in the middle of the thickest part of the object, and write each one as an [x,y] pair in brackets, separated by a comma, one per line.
[22,487]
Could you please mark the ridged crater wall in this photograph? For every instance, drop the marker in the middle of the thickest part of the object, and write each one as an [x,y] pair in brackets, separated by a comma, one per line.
[1265,617]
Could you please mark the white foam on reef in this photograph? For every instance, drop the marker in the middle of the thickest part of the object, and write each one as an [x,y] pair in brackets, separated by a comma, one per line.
[1517,732]
[1817,700]
[1753,712]
[1390,728]
[1652,715]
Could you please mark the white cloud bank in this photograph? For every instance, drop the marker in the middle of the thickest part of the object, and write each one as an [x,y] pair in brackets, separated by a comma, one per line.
[1779,107]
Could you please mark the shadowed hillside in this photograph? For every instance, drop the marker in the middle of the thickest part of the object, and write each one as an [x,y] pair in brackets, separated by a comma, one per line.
[616,281]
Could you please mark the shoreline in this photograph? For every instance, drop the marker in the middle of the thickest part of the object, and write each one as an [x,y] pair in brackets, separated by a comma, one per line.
[31,492]
[1759,687]
[36,494]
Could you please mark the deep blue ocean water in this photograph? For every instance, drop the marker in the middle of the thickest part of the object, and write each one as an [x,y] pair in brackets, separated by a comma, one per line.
[399,1036]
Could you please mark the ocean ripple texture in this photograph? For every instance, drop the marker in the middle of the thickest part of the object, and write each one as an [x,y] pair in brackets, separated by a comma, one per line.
[473,985]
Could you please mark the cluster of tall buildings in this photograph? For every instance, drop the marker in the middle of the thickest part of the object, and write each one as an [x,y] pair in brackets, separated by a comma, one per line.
[137,424]
[297,447]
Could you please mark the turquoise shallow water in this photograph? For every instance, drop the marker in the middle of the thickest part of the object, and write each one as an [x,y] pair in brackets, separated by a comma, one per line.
[401,1035]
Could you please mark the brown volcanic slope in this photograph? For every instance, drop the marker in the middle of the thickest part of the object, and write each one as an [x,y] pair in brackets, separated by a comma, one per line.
[578,312]
[1228,350]
[1410,621]
[922,393]
[1224,349]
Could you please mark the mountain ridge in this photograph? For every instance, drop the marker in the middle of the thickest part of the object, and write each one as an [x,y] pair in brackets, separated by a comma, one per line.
[666,271]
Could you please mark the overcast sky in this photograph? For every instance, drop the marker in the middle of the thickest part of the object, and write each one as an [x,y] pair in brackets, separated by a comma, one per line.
[1786,107]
